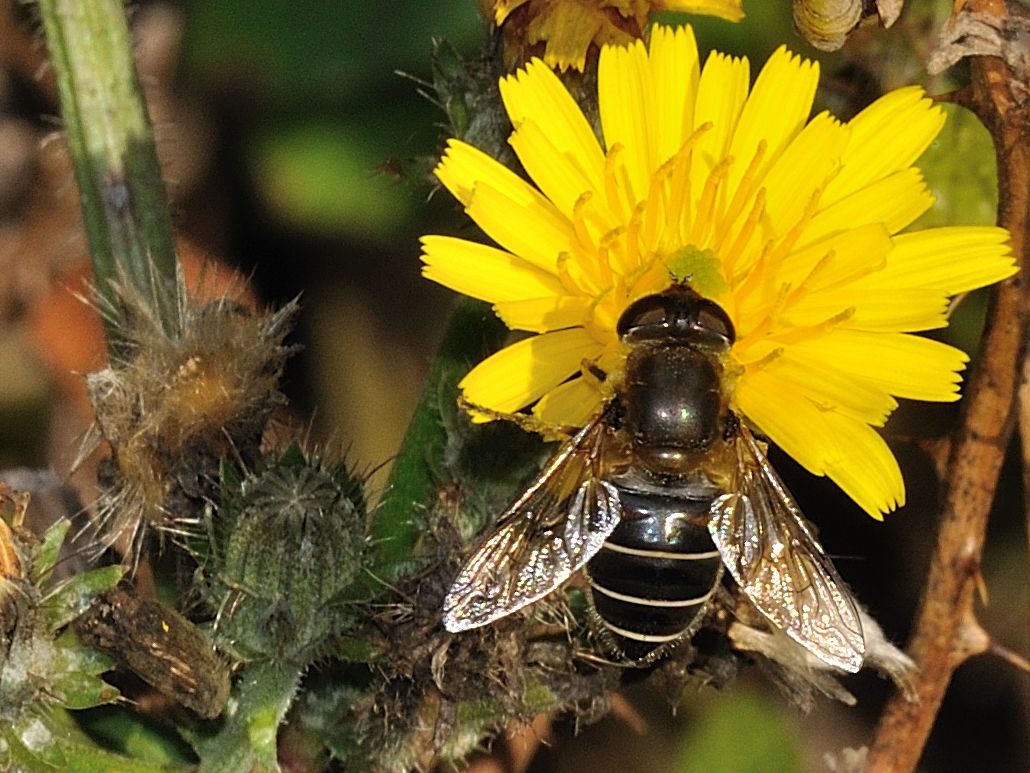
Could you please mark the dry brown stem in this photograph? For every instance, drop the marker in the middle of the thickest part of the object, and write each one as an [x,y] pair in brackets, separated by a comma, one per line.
[940,642]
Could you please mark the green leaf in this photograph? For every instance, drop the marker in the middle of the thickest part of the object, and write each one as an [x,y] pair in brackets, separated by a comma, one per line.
[49,550]
[53,741]
[143,738]
[961,171]
[69,599]
[74,655]
[741,732]
[75,680]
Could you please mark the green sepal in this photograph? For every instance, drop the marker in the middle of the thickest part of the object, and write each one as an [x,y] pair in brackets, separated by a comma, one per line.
[75,675]
[48,551]
[70,598]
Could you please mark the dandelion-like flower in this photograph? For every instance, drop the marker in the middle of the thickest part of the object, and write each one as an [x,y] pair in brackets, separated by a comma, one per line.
[567,28]
[791,225]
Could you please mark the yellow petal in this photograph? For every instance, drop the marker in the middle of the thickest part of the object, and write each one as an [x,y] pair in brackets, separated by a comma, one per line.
[540,315]
[535,94]
[887,136]
[677,70]
[954,260]
[904,365]
[778,107]
[725,9]
[521,373]
[463,167]
[484,272]
[504,7]
[569,29]
[561,176]
[896,201]
[573,403]
[721,93]
[870,308]
[492,192]
[626,102]
[842,257]
[803,168]
[538,234]
[865,468]
[820,381]
[823,442]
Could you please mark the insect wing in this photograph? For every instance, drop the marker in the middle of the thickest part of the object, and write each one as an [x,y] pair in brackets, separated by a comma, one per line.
[767,546]
[555,527]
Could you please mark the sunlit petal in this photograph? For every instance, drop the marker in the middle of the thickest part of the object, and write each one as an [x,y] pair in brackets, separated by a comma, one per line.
[791,223]
[484,272]
[523,372]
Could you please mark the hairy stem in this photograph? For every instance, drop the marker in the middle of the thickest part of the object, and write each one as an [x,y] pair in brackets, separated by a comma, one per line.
[946,629]
[246,741]
[473,333]
[112,148]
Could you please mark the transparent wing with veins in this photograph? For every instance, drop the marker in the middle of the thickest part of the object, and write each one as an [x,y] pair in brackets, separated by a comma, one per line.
[545,536]
[770,551]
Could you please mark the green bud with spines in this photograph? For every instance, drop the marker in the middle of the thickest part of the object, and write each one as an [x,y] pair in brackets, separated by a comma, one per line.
[287,541]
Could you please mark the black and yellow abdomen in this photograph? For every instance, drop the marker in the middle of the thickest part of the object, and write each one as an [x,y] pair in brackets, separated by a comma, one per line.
[652,579]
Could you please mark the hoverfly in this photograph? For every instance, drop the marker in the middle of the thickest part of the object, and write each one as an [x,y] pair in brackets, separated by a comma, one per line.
[662,491]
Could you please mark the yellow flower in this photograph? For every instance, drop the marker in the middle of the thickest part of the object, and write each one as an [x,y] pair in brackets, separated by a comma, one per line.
[791,225]
[567,28]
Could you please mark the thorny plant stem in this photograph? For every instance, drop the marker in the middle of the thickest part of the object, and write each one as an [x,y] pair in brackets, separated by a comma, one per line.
[946,630]
[112,148]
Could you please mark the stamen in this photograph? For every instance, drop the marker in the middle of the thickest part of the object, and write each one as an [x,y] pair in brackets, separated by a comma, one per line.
[773,258]
[632,244]
[613,193]
[654,213]
[805,285]
[772,356]
[706,205]
[610,243]
[579,214]
[565,276]
[743,192]
[731,257]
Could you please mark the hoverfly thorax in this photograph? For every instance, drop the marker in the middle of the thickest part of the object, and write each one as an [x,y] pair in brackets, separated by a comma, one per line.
[672,394]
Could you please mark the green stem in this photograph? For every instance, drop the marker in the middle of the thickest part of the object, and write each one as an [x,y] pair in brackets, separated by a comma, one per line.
[247,740]
[473,333]
[112,148]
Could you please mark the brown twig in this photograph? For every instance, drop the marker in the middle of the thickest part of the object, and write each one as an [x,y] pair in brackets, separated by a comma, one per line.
[946,631]
[1023,427]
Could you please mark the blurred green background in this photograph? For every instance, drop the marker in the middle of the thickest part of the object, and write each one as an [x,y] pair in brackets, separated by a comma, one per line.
[296,142]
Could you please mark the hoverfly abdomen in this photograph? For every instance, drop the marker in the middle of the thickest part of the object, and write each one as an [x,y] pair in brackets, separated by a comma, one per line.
[652,580]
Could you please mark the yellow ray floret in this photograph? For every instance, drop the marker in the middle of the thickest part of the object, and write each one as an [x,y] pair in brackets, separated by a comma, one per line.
[790,222]
[566,29]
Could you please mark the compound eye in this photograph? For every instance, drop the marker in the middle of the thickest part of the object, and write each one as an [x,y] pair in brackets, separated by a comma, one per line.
[646,312]
[713,319]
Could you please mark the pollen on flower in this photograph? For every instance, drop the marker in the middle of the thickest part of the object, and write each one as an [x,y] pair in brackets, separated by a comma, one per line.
[792,223]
